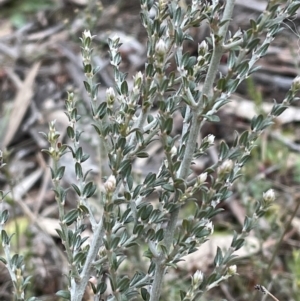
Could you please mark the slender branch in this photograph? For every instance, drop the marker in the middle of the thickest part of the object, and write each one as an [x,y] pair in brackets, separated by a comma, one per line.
[77,289]
[158,280]
[232,44]
[265,291]
[207,89]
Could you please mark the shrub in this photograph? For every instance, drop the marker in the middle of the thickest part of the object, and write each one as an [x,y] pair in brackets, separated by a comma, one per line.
[126,126]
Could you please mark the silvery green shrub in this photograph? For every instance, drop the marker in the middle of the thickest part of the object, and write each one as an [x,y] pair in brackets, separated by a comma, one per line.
[126,127]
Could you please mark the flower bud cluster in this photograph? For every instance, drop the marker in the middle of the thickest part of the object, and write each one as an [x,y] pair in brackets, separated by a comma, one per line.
[137,84]
[232,270]
[86,49]
[225,168]
[210,139]
[115,57]
[53,134]
[160,53]
[70,104]
[110,97]
[296,84]
[206,142]
[201,179]
[210,227]
[202,49]
[173,151]
[197,279]
[269,196]
[203,57]
[110,184]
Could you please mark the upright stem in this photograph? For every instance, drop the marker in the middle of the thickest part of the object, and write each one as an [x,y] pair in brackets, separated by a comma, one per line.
[77,289]
[158,280]
[191,144]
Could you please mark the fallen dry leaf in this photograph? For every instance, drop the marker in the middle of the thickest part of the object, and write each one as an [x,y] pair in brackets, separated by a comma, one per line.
[21,104]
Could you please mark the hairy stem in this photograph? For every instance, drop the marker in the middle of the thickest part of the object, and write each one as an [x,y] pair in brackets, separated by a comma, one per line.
[77,289]
[191,143]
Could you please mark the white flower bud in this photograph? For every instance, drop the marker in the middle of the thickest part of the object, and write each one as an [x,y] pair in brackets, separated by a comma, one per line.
[137,82]
[173,150]
[202,178]
[52,150]
[110,95]
[210,227]
[211,139]
[86,34]
[202,47]
[296,84]
[269,196]
[226,167]
[197,278]
[232,270]
[161,48]
[138,78]
[110,184]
